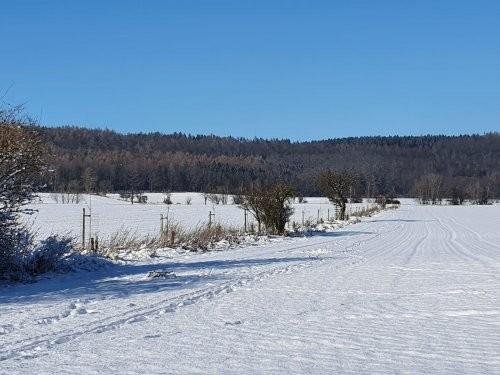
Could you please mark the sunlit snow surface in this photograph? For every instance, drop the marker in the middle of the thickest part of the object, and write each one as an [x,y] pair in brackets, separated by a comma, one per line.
[111,215]
[413,290]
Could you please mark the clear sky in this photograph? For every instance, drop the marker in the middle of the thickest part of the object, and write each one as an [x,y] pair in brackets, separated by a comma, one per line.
[285,69]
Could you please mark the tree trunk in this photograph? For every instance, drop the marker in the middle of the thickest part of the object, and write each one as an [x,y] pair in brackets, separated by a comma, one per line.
[342,210]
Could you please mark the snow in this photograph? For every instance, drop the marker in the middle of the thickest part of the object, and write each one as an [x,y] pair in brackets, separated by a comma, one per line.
[413,290]
[111,214]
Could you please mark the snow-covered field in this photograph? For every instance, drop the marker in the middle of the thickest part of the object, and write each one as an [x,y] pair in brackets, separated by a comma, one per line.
[110,214]
[413,290]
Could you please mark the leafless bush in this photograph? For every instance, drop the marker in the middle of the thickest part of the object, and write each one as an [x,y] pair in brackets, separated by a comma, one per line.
[202,238]
[238,199]
[381,201]
[270,206]
[124,239]
[188,201]
[167,199]
[214,198]
[67,198]
[367,211]
[301,199]
[174,236]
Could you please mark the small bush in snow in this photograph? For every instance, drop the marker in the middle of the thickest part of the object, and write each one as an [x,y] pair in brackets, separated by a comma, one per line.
[49,256]
[168,198]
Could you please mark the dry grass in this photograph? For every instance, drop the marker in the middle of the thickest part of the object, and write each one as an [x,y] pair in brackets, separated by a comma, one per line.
[202,238]
[367,211]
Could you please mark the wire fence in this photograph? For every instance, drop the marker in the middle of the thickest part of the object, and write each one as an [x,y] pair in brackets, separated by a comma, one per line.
[105,218]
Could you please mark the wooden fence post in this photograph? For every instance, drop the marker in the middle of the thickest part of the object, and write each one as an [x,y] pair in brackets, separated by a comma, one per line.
[84,216]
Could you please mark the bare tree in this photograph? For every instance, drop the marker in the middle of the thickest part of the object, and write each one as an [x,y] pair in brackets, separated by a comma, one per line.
[457,195]
[337,186]
[480,192]
[428,189]
[253,201]
[89,180]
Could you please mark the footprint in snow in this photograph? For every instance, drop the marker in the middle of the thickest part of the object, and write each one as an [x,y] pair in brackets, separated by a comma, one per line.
[152,336]
[235,323]
[7,328]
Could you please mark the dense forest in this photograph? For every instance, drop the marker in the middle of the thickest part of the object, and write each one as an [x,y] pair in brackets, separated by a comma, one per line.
[107,161]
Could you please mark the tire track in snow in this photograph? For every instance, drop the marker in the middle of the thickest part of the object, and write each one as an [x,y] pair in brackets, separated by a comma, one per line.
[460,249]
[479,238]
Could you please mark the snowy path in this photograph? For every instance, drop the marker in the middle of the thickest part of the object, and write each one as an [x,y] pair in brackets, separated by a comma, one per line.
[413,291]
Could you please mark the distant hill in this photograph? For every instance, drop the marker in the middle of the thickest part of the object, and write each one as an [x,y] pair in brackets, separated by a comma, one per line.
[110,161]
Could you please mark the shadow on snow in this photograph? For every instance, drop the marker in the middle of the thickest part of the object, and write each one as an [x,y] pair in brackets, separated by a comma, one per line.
[124,279]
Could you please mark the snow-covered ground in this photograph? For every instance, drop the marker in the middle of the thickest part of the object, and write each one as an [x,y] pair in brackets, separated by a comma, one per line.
[111,214]
[413,290]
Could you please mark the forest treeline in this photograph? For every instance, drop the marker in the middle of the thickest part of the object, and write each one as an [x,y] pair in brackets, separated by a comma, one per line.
[106,161]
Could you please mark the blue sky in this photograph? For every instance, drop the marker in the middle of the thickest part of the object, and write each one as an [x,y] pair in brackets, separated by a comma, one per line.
[285,69]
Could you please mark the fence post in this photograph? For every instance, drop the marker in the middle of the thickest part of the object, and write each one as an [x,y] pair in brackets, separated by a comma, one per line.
[317,221]
[161,224]
[172,238]
[83,229]
[245,225]
[328,215]
[84,216]
[302,218]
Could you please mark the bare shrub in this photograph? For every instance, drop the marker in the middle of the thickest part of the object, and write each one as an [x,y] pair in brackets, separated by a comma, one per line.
[67,198]
[223,198]
[392,201]
[301,199]
[381,201]
[174,236]
[368,211]
[214,198]
[167,199]
[125,239]
[238,199]
[202,238]
[270,206]
[188,201]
